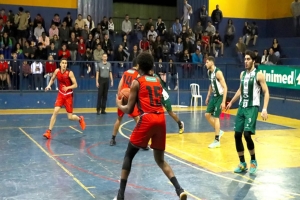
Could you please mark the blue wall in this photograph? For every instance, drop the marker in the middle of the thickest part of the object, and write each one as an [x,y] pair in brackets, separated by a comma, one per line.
[46,12]
[282,27]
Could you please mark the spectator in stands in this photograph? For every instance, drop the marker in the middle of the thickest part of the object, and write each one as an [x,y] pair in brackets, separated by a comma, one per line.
[57,42]
[56,20]
[216,17]
[253,35]
[68,19]
[126,26]
[166,51]
[187,67]
[246,31]
[153,33]
[89,64]
[161,70]
[198,30]
[197,58]
[64,32]
[125,44]
[53,30]
[27,50]
[44,39]
[18,49]
[295,10]
[37,72]
[272,58]
[38,19]
[90,43]
[38,30]
[257,58]
[4,69]
[49,69]
[172,75]
[11,17]
[144,44]
[137,25]
[217,42]
[197,45]
[157,47]
[211,30]
[97,41]
[77,31]
[187,11]
[10,30]
[26,75]
[89,22]
[96,32]
[148,25]
[191,35]
[41,52]
[80,22]
[176,29]
[120,56]
[104,26]
[178,49]
[203,16]
[3,16]
[14,71]
[73,46]
[187,44]
[64,52]
[160,27]
[141,33]
[276,47]
[229,33]
[241,49]
[206,42]
[5,46]
[111,29]
[98,53]
[265,56]
[21,19]
[81,55]
[134,53]
[107,47]
[52,51]
[85,33]
[184,33]
[29,27]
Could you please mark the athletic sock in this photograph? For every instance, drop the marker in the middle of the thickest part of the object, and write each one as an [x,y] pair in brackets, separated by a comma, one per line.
[217,137]
[113,137]
[122,187]
[175,183]
[242,158]
[253,157]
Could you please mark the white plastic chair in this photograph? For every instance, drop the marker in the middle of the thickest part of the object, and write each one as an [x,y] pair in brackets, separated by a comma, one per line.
[195,91]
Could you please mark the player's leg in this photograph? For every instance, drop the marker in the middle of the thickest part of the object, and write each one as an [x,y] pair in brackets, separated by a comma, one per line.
[52,122]
[167,104]
[69,108]
[116,128]
[239,128]
[251,114]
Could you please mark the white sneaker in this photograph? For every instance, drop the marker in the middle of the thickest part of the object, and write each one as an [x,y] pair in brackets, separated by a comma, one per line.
[169,88]
[176,87]
[221,133]
[182,129]
[215,144]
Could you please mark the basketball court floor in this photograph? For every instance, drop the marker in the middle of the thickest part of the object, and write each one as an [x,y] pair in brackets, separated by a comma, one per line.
[76,165]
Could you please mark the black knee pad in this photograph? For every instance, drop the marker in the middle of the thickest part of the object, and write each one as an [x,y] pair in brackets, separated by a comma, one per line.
[238,142]
[129,155]
[248,138]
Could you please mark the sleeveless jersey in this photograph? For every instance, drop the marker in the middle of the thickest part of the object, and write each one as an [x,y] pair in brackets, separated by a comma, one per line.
[149,95]
[250,89]
[64,80]
[128,77]
[215,84]
[163,84]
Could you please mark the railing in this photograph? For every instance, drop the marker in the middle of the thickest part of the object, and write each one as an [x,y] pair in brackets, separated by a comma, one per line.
[185,74]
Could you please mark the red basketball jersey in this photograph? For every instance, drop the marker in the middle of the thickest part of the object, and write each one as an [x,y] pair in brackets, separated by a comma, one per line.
[128,77]
[64,80]
[149,95]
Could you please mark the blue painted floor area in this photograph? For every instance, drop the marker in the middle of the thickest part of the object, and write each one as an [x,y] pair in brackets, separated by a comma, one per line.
[88,168]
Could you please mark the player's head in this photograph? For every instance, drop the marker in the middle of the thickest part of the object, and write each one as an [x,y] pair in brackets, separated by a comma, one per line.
[63,63]
[145,62]
[249,60]
[134,64]
[210,62]
[104,57]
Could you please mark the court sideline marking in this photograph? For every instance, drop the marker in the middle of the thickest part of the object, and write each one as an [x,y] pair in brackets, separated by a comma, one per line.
[58,163]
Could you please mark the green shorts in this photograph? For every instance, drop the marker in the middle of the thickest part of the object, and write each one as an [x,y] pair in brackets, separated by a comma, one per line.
[167,104]
[246,119]
[214,106]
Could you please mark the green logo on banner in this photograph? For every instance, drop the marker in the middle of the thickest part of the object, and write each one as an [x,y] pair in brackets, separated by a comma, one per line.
[281,76]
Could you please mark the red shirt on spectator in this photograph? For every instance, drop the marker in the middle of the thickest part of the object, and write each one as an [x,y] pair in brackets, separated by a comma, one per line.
[3,67]
[81,48]
[4,17]
[205,39]
[144,45]
[64,54]
[50,67]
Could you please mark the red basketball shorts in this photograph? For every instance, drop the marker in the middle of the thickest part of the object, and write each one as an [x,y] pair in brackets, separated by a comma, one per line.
[66,101]
[150,126]
[135,112]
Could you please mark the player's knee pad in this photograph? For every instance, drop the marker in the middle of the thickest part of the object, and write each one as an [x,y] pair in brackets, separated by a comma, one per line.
[248,138]
[238,141]
[129,155]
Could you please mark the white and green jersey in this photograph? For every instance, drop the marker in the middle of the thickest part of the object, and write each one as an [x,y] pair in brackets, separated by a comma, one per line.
[250,89]
[215,84]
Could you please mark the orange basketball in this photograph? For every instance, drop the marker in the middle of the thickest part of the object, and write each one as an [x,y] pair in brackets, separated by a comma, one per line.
[125,93]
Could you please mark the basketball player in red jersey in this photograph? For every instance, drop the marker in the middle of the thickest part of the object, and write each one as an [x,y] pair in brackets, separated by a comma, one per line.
[146,92]
[125,82]
[67,83]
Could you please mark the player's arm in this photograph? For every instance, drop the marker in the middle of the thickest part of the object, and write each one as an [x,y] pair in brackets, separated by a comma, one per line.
[132,98]
[221,79]
[120,85]
[74,82]
[236,96]
[52,80]
[209,92]
[262,81]
[111,79]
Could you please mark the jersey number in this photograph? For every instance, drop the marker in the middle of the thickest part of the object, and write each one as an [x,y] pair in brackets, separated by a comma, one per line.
[128,80]
[154,91]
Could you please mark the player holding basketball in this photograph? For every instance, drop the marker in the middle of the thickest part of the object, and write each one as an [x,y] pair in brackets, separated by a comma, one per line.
[125,82]
[167,103]
[146,92]
[252,82]
[67,83]
[218,102]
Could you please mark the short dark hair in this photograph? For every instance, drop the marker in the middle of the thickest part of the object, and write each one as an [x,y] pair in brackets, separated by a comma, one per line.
[211,58]
[145,61]
[251,54]
[63,58]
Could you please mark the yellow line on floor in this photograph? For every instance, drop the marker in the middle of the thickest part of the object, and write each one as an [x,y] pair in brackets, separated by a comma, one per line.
[58,163]
[75,129]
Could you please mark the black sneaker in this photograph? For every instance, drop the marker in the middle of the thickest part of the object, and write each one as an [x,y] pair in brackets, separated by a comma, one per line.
[182,194]
[119,197]
[103,112]
[112,142]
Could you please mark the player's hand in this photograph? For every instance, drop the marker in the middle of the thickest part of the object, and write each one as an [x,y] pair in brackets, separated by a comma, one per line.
[206,101]
[223,106]
[228,106]
[64,88]
[119,101]
[97,85]
[111,84]
[264,115]
[47,88]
